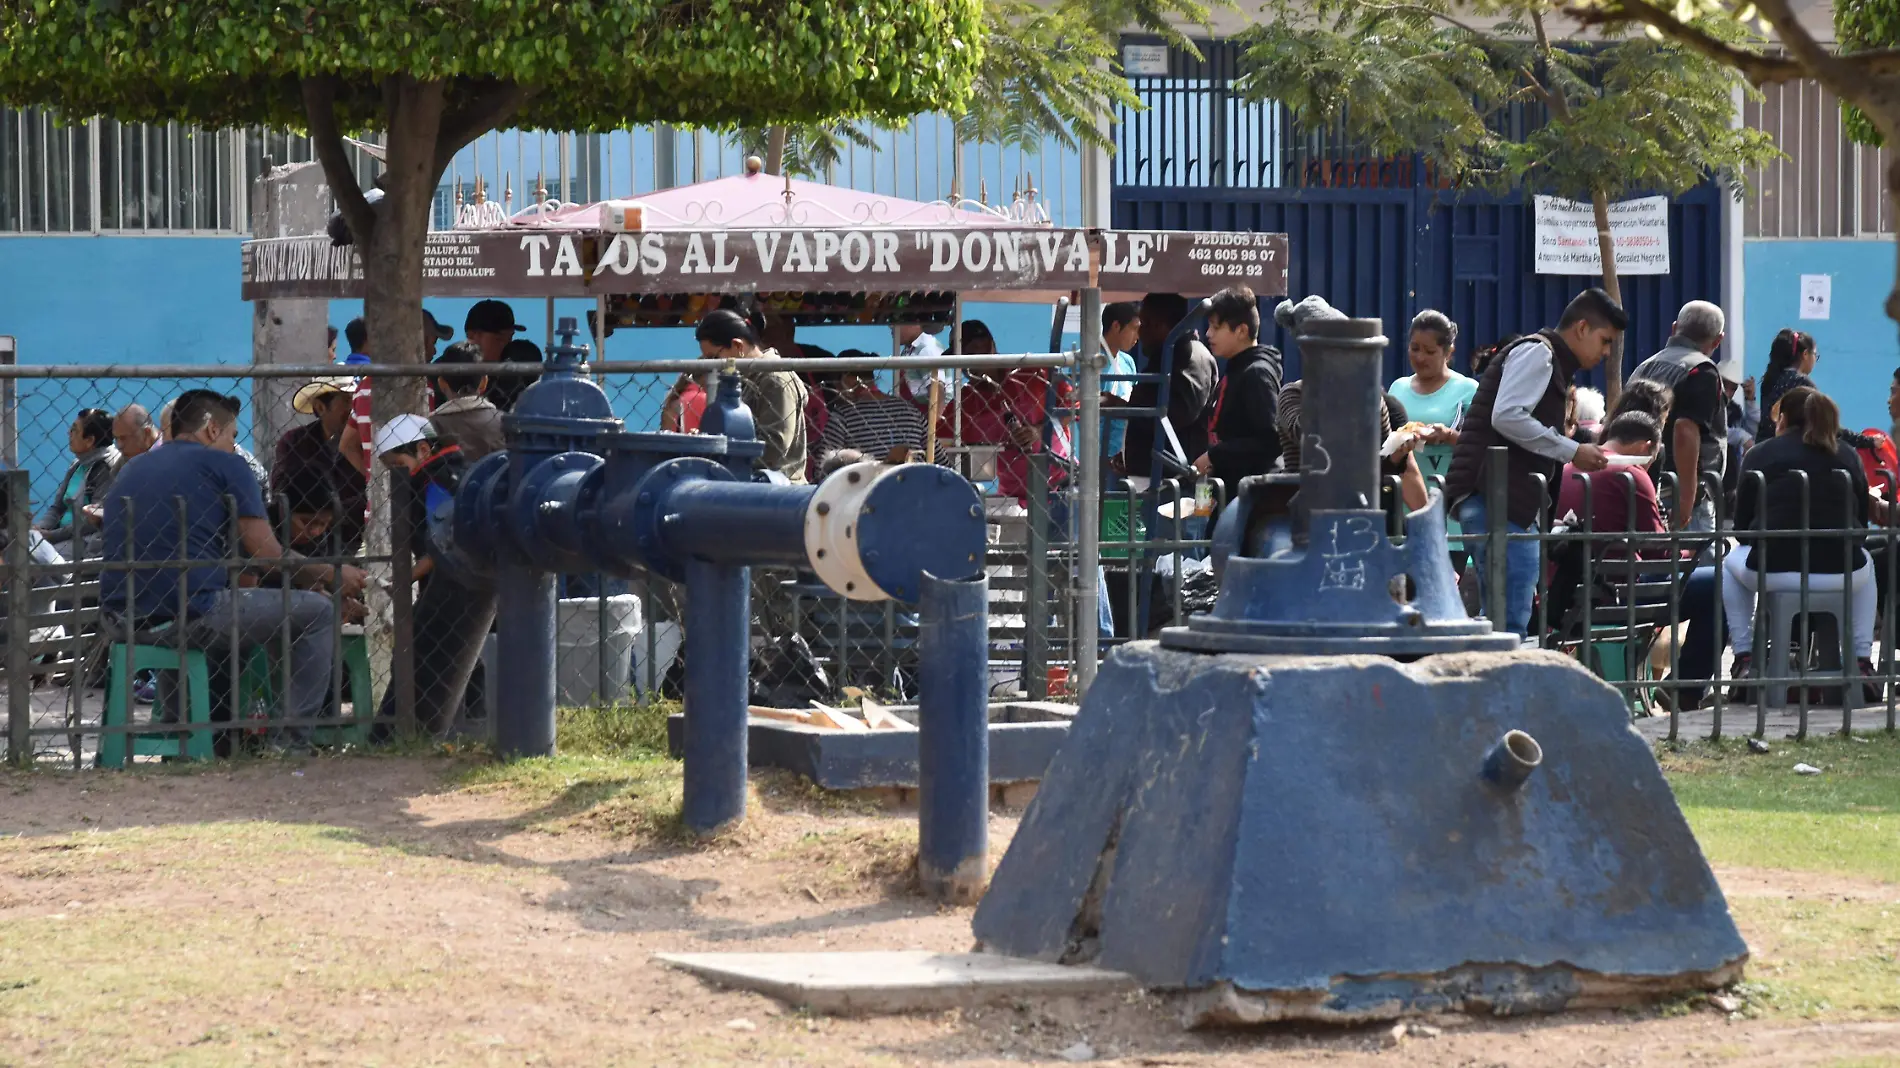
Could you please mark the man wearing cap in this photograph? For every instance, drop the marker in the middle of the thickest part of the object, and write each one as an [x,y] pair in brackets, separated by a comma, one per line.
[172,505]
[492,328]
[451,619]
[314,447]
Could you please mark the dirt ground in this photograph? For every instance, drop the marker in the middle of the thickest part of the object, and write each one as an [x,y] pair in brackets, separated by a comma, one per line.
[370,911]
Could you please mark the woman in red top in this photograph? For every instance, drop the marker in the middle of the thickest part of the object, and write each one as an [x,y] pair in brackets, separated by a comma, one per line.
[1008,409]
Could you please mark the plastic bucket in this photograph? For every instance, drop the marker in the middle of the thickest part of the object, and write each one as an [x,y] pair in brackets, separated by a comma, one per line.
[594,642]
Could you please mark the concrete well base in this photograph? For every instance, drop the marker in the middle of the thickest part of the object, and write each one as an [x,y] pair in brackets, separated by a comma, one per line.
[1332,838]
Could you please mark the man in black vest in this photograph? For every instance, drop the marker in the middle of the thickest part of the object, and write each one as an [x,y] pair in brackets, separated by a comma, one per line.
[1520,405]
[1695,439]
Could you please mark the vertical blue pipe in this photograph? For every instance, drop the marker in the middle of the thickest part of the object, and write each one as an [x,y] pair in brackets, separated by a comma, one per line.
[953,745]
[718,637]
[524,710]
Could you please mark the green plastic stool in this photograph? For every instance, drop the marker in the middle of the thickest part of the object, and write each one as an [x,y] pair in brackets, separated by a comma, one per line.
[162,740]
[260,682]
[1622,660]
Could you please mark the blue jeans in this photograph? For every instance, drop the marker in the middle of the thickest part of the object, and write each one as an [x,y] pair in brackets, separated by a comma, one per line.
[1700,653]
[1062,529]
[1520,562]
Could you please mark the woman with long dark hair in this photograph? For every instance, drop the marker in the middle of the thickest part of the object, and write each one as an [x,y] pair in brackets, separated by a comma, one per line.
[777,398]
[1790,360]
[1807,442]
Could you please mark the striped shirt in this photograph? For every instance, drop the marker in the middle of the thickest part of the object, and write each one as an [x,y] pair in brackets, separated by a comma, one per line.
[873,425]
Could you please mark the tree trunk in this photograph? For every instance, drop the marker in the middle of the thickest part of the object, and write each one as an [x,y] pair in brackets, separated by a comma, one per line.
[1606,247]
[774,149]
[1893,205]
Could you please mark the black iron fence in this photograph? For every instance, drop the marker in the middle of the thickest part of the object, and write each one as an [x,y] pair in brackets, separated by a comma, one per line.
[1651,609]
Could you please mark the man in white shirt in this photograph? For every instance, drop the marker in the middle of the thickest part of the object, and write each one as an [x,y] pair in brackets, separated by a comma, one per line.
[1520,405]
[916,343]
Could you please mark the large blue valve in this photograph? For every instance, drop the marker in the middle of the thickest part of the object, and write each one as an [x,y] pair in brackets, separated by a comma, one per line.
[576,492]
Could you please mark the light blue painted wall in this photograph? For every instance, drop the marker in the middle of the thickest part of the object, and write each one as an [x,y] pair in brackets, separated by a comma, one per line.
[1856,343]
[113,300]
[174,300]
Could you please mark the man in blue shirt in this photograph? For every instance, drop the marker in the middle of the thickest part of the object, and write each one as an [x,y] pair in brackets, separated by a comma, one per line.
[187,501]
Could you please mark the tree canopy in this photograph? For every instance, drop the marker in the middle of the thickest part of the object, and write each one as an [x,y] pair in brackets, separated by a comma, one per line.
[1863,68]
[563,64]
[1617,117]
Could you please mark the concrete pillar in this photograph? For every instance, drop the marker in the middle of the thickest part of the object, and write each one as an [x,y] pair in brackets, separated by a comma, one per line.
[289,201]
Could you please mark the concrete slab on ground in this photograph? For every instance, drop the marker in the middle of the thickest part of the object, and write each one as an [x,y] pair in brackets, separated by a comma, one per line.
[896,981]
[1781,722]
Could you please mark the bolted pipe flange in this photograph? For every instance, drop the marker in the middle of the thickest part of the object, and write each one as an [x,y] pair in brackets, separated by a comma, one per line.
[475,527]
[831,531]
[650,508]
[543,511]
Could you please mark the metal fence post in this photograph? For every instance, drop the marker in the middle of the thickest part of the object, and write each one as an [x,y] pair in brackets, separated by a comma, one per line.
[1088,496]
[1497,519]
[19,608]
[1036,587]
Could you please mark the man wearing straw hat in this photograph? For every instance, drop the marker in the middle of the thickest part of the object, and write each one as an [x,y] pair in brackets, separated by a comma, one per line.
[314,446]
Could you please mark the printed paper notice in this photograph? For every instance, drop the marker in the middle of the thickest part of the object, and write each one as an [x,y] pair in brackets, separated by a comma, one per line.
[1817,295]
[1567,236]
[1145,61]
[1072,320]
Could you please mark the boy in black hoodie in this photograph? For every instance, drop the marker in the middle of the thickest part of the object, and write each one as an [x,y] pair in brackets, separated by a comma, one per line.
[1243,438]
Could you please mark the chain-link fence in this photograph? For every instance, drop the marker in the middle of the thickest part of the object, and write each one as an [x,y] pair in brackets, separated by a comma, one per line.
[179,603]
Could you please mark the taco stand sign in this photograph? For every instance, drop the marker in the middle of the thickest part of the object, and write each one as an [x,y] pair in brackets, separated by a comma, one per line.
[531,262]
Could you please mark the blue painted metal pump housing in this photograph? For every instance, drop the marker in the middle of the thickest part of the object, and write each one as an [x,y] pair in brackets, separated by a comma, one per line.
[575,493]
[1336,797]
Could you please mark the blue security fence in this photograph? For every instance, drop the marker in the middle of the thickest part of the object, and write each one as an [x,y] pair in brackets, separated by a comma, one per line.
[1376,236]
[1391,252]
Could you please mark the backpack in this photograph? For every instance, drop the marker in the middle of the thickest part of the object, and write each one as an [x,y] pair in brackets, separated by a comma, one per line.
[1879,459]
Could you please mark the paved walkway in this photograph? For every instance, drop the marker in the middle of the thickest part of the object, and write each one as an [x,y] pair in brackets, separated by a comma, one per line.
[1740,720]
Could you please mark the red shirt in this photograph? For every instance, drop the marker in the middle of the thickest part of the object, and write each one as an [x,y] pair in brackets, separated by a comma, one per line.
[1610,499]
[985,408]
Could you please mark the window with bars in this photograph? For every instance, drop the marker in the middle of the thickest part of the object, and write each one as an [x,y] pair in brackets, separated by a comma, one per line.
[104,176]
[45,173]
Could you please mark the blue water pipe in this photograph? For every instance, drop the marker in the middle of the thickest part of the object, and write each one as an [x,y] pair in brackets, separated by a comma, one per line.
[576,492]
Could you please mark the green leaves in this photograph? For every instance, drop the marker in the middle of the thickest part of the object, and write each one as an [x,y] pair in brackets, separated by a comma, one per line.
[591,65]
[1469,85]
[1862,25]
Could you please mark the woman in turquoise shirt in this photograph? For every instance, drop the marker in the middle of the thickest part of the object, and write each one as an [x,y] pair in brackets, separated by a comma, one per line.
[1433,393]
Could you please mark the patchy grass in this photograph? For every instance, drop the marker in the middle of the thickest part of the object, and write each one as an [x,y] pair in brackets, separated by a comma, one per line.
[635,795]
[1832,959]
[613,730]
[1753,810]
[611,775]
[846,860]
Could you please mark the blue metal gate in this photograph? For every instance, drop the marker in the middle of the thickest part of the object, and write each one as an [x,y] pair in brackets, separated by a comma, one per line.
[1392,252]
[1375,236]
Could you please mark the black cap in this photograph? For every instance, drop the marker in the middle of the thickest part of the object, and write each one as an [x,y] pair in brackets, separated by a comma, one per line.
[429,325]
[492,316]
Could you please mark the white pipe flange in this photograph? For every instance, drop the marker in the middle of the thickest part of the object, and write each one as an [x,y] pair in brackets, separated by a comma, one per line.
[831,525]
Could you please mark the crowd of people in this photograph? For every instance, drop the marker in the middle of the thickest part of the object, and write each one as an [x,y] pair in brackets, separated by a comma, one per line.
[1675,456]
[241,557]
[1674,451]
